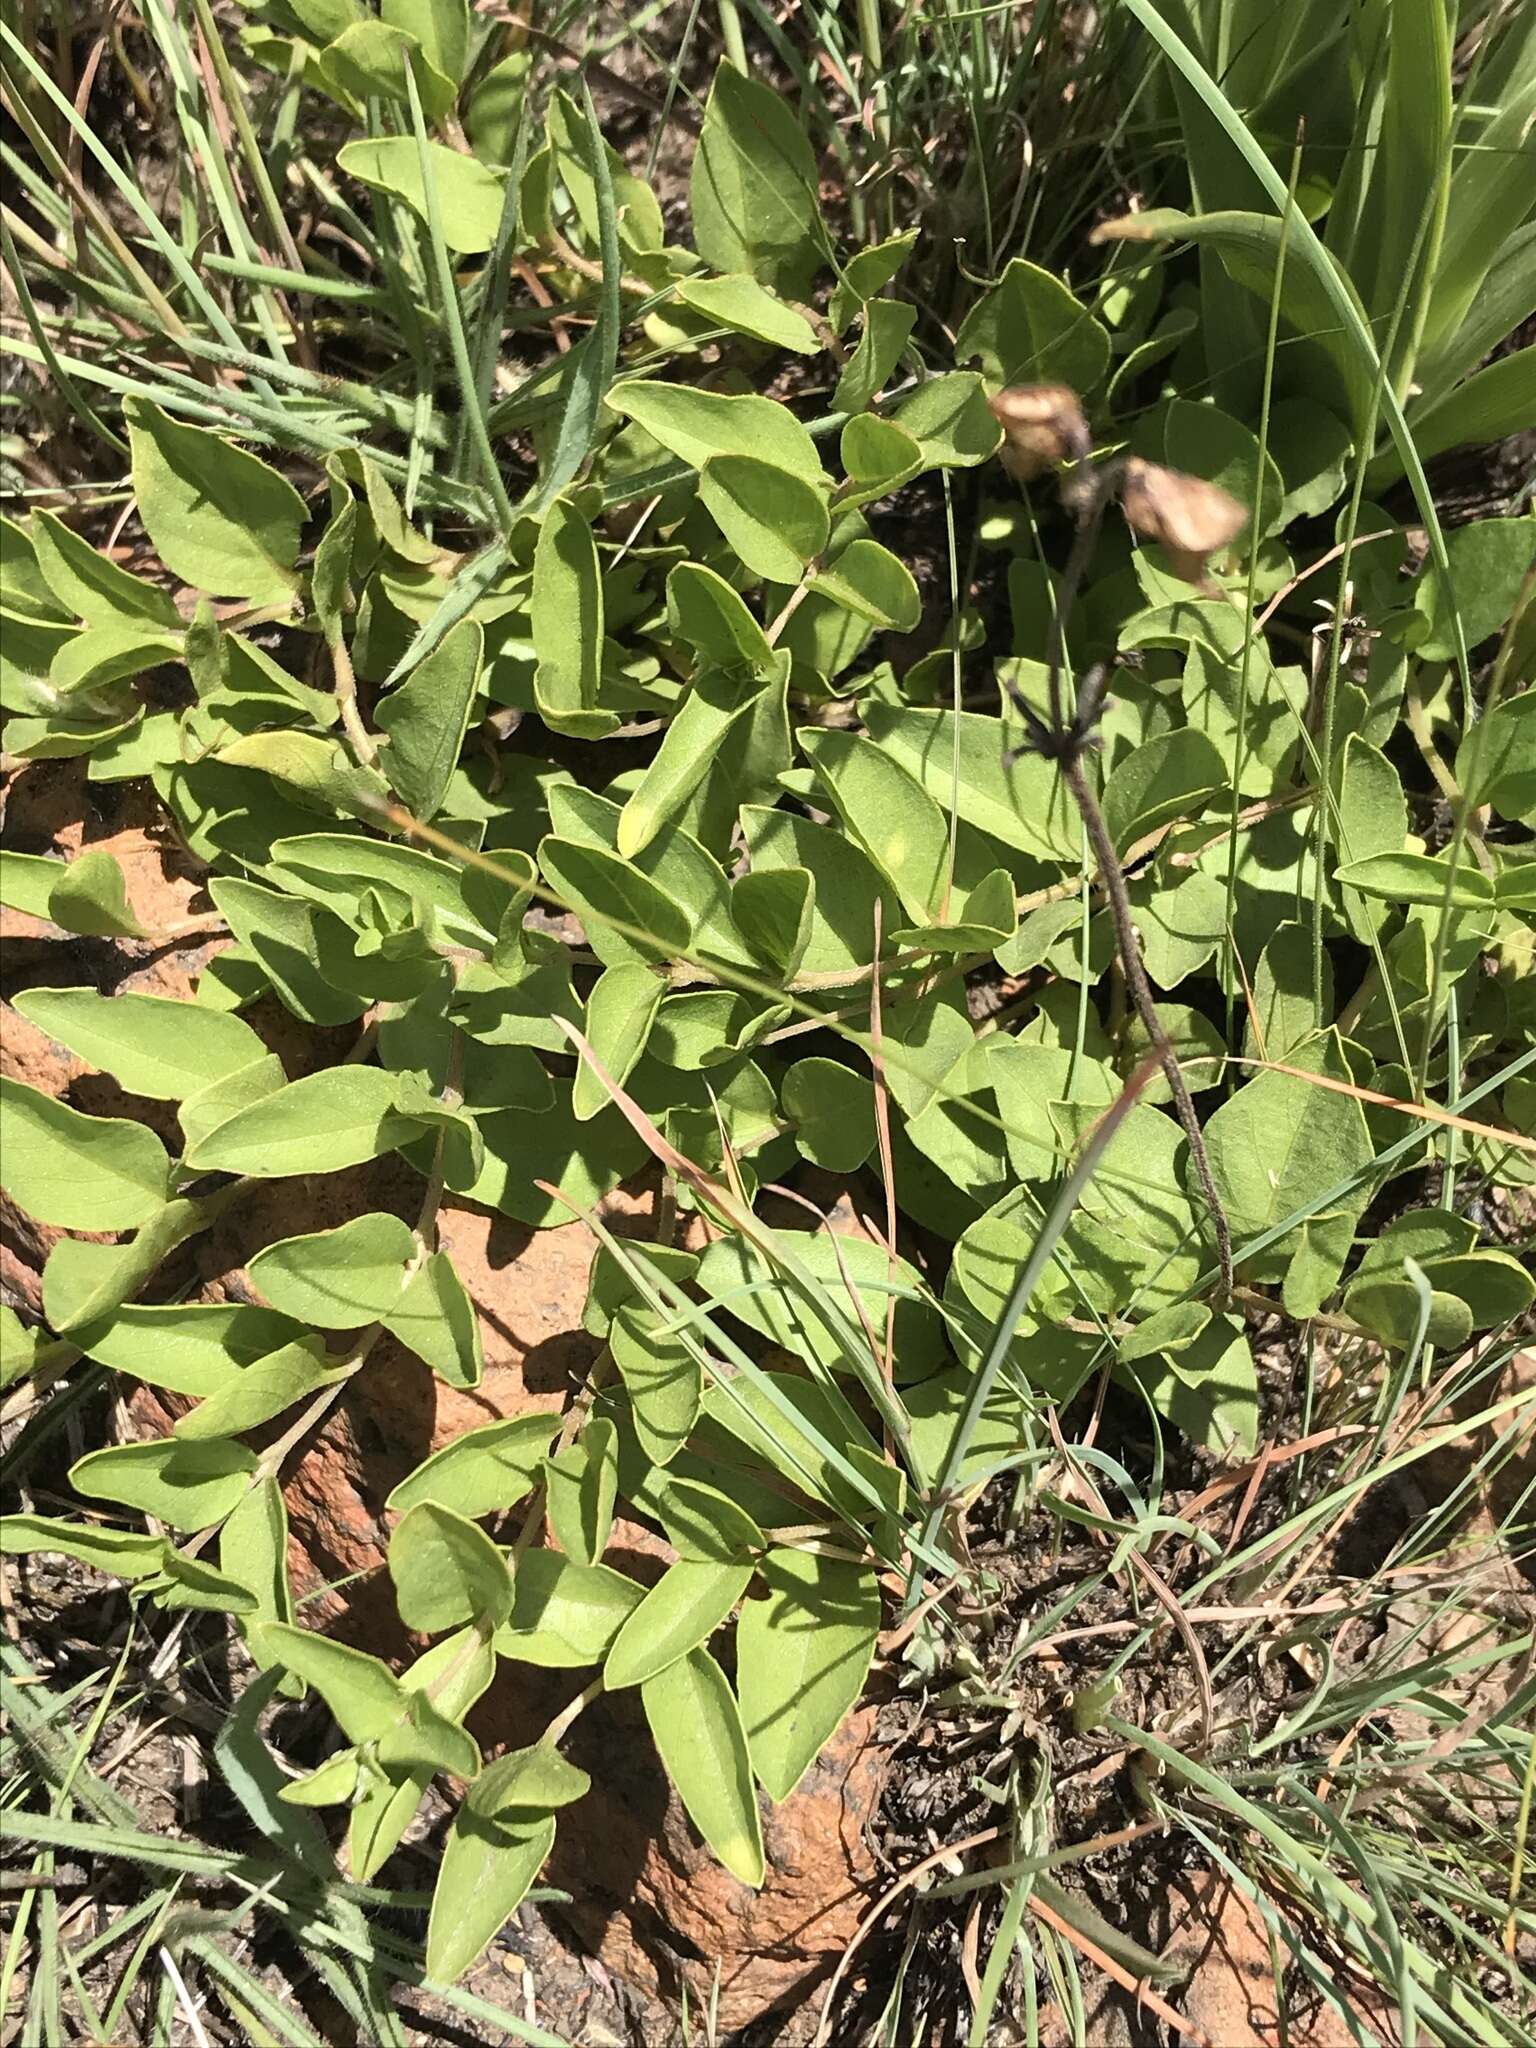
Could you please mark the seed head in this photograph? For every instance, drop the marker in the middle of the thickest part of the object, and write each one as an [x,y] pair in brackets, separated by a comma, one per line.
[1043,425]
[1189,518]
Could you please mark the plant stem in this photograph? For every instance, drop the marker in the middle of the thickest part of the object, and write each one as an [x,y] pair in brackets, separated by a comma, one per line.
[563,1721]
[872,77]
[1141,994]
[793,602]
[362,741]
[1088,491]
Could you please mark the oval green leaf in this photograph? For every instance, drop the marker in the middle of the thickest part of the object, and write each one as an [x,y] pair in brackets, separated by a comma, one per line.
[76,1171]
[802,1655]
[152,1044]
[338,1117]
[219,518]
[697,1728]
[447,1571]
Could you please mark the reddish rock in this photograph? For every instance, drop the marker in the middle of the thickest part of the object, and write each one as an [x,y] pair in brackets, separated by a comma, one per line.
[1220,1938]
[656,1907]
[51,808]
[45,803]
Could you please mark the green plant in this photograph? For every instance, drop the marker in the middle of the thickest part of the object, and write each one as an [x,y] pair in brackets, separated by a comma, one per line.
[202,1909]
[429,591]
[1411,124]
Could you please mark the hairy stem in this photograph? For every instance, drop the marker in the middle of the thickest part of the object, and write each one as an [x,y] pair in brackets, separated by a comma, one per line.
[1141,994]
[362,741]
[1087,492]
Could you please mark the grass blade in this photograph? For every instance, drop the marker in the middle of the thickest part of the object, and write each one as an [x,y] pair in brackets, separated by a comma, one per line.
[1341,297]
[448,293]
[591,364]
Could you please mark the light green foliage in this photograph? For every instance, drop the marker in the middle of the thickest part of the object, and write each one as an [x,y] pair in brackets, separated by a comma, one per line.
[19,1347]
[1030,329]
[297,947]
[220,518]
[269,1387]
[185,1348]
[1283,1015]
[581,1487]
[868,580]
[441,29]
[1417,878]
[1203,441]
[703,610]
[636,560]
[91,585]
[87,895]
[1170,777]
[631,916]
[327,1120]
[369,59]
[888,812]
[774,522]
[427,717]
[469,192]
[185,1485]
[566,620]
[1372,818]
[253,1551]
[802,1657]
[662,1378]
[1279,1146]
[126,1553]
[696,425]
[1488,562]
[82,1172]
[748,307]
[681,1611]
[487,1870]
[834,1111]
[436,1319]
[843,1269]
[1467,1289]
[753,188]
[1021,804]
[1505,758]
[361,1692]
[482,1471]
[704,1523]
[696,1723]
[950,421]
[447,1571]
[887,324]
[564,1614]
[152,1045]
[337,1279]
